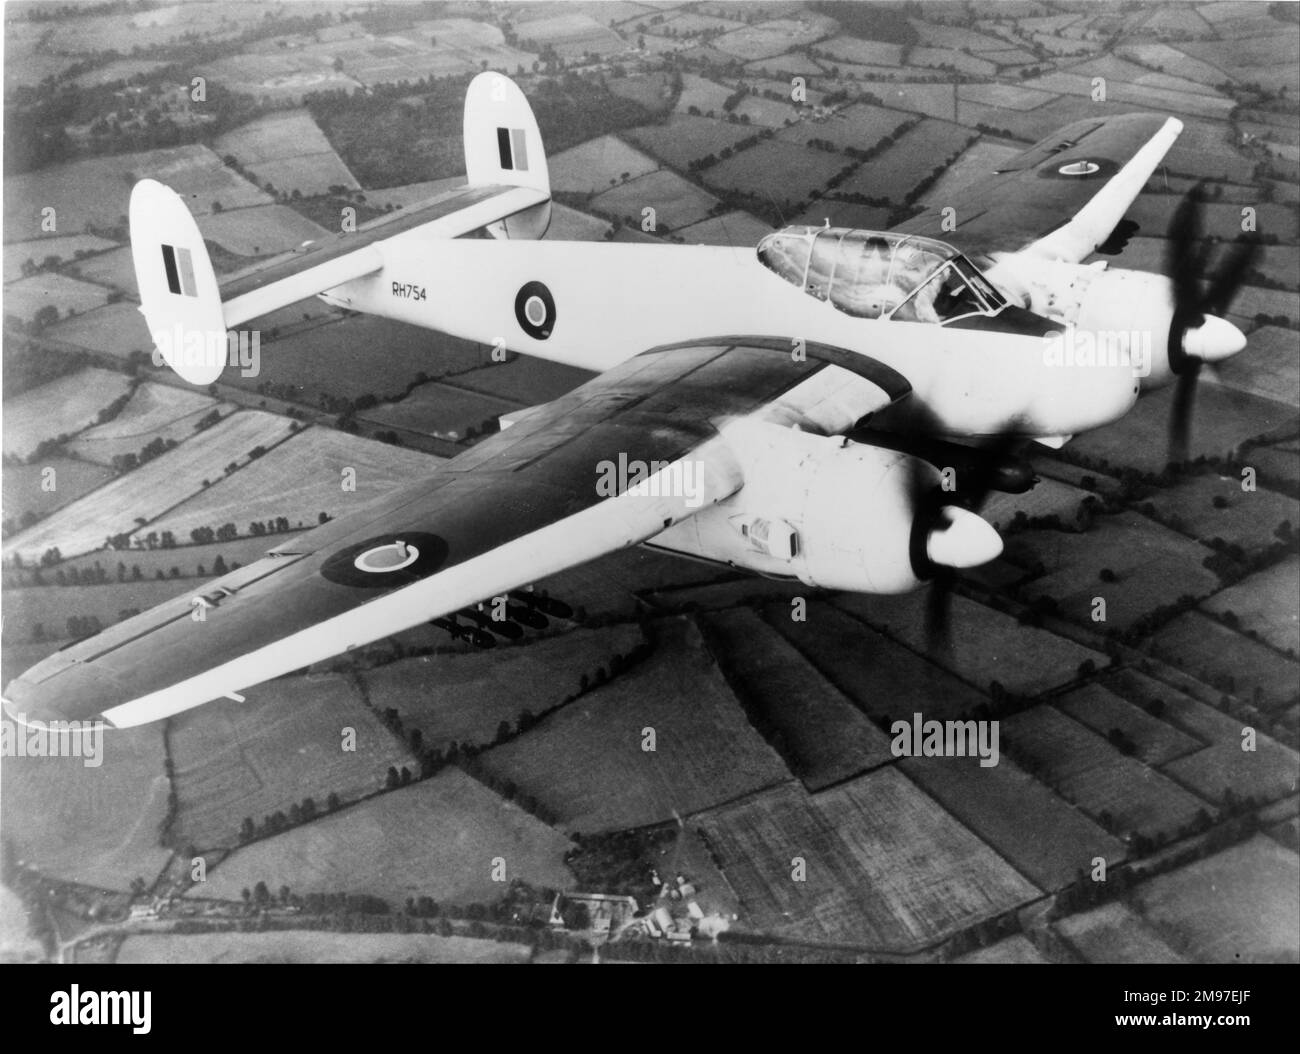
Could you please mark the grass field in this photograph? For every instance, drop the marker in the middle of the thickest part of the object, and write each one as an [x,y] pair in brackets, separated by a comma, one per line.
[68,296]
[946,58]
[525,379]
[676,202]
[113,268]
[571,35]
[683,139]
[596,165]
[285,744]
[882,677]
[928,100]
[844,214]
[151,489]
[586,762]
[1152,566]
[777,172]
[652,90]
[1269,369]
[435,838]
[155,411]
[1270,771]
[1224,418]
[861,126]
[986,645]
[186,557]
[1017,949]
[23,490]
[1168,56]
[1049,497]
[444,410]
[1156,742]
[1040,834]
[96,192]
[1202,646]
[861,52]
[866,845]
[768,113]
[772,38]
[260,231]
[305,946]
[117,329]
[1215,506]
[1237,906]
[65,406]
[65,249]
[99,826]
[1154,214]
[1088,771]
[49,607]
[1266,603]
[300,479]
[893,175]
[821,734]
[1112,933]
[463,698]
[360,355]
[705,95]
[288,150]
[739,229]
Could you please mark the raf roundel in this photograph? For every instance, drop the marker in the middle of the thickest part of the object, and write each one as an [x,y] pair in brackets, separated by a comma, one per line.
[535,310]
[1080,168]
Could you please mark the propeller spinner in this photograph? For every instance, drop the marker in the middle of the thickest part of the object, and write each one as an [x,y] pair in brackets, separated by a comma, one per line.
[1197,335]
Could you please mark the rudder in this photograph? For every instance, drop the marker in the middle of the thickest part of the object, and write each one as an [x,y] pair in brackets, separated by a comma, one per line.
[503,147]
[179,295]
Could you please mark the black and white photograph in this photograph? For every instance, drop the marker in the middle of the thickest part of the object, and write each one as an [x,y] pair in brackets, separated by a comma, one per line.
[620,481]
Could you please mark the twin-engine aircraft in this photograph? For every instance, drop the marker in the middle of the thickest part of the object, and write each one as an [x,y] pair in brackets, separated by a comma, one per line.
[830,408]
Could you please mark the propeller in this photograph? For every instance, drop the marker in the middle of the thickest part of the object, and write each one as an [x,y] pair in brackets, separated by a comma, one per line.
[1196,334]
[947,532]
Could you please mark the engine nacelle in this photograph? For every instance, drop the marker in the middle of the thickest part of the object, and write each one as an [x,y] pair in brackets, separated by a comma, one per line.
[1119,317]
[1129,313]
[826,511]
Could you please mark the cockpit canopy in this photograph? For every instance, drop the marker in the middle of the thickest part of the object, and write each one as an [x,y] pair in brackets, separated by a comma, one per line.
[869,274]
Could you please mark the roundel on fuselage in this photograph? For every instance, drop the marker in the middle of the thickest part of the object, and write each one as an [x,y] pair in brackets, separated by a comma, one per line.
[535,310]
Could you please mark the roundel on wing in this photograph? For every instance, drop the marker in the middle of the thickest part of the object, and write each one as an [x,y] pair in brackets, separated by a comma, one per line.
[535,310]
[1080,168]
[387,561]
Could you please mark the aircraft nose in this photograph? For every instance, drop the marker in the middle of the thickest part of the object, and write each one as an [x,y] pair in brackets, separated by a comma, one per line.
[1214,339]
[963,540]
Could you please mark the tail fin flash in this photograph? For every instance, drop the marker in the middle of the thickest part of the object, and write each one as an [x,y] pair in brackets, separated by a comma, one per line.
[178,288]
[503,147]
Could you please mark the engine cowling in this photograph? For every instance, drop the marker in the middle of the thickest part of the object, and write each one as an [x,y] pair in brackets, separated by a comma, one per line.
[832,513]
[1130,313]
